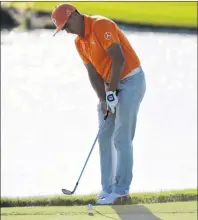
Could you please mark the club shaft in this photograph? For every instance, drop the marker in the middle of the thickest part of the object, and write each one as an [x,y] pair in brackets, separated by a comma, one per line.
[101,127]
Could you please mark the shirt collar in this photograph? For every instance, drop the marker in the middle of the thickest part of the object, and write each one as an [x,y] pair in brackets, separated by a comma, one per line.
[87,23]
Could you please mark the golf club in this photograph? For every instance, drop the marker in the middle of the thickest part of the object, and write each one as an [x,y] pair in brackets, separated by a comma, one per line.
[68,192]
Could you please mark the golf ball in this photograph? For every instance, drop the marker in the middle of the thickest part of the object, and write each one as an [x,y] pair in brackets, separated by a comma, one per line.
[90,207]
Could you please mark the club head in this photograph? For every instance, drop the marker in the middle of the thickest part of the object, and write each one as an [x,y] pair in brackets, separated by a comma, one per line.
[67,192]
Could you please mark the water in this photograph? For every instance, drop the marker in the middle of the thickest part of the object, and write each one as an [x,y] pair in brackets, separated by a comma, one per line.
[49,118]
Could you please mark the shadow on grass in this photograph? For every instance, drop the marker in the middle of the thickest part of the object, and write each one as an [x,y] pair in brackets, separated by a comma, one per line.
[136,212]
[130,212]
[133,211]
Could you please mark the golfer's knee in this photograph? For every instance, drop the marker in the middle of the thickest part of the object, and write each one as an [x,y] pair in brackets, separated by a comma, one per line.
[103,135]
[122,141]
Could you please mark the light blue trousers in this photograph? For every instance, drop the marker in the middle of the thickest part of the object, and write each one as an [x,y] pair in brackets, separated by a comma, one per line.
[118,133]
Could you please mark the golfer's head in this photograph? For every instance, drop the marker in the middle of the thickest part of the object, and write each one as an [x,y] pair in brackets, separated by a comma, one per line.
[66,17]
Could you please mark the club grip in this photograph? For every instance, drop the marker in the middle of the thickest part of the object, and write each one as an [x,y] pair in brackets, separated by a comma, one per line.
[105,117]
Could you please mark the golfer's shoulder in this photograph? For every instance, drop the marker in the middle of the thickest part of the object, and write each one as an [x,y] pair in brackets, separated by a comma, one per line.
[100,22]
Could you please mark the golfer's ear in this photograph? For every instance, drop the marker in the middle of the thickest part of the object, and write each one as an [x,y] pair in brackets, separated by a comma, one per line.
[75,13]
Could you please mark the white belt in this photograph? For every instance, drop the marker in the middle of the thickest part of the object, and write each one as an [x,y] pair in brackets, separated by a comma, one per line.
[133,72]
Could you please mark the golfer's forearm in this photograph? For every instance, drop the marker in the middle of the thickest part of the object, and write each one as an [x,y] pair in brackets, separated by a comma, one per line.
[96,81]
[97,84]
[116,70]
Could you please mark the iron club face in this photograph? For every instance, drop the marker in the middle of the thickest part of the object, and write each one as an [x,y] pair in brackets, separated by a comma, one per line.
[67,192]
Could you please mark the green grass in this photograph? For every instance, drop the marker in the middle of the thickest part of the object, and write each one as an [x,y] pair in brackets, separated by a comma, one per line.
[155,13]
[135,198]
[165,211]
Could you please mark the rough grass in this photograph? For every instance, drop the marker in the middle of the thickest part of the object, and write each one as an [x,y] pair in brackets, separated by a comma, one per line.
[135,198]
[182,14]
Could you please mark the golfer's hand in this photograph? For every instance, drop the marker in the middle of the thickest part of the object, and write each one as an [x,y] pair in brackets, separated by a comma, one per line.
[111,100]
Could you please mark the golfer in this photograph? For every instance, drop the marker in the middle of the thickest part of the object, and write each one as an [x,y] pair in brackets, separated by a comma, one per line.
[117,77]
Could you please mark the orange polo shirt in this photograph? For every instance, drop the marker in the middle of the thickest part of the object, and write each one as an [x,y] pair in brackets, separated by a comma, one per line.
[100,33]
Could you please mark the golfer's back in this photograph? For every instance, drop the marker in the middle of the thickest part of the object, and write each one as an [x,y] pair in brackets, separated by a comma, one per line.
[100,33]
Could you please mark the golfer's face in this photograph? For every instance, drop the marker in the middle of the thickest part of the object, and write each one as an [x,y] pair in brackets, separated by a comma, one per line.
[71,25]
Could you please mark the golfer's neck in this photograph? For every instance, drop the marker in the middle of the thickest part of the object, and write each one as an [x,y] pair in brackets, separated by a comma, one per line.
[82,29]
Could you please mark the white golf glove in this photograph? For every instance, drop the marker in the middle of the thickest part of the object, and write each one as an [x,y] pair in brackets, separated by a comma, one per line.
[111,100]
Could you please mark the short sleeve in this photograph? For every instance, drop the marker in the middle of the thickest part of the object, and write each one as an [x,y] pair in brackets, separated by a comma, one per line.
[106,33]
[80,52]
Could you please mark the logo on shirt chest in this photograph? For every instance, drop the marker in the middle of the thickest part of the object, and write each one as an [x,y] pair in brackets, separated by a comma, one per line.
[107,35]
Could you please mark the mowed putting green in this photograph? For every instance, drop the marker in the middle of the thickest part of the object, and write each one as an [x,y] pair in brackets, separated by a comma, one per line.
[158,211]
[155,13]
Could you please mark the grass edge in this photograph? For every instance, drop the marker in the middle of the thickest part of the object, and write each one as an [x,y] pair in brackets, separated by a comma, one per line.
[75,200]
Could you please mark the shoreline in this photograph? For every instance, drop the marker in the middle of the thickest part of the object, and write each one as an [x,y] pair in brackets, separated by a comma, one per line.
[37,19]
